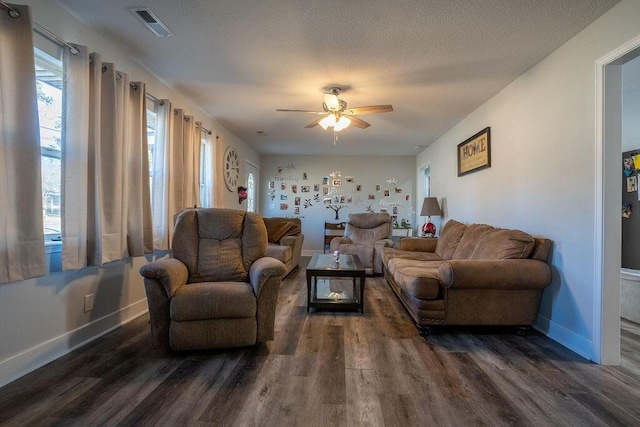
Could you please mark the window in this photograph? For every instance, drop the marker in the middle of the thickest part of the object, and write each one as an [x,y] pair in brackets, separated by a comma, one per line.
[427,182]
[49,95]
[152,109]
[204,200]
[251,189]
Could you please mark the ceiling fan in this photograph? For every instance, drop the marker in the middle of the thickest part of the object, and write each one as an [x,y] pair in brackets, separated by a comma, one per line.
[336,114]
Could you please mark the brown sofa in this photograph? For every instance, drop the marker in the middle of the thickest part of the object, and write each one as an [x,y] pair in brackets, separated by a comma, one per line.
[471,275]
[285,240]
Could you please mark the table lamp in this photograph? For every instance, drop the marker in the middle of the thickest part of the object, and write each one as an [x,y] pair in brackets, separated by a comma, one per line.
[430,207]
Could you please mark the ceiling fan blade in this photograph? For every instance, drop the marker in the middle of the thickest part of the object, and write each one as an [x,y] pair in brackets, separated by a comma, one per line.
[369,109]
[301,111]
[359,123]
[314,123]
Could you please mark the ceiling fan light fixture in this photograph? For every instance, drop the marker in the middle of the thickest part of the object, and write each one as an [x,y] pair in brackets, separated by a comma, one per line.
[343,123]
[328,121]
[331,102]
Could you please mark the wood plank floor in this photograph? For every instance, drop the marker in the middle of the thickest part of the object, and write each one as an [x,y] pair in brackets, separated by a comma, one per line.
[326,369]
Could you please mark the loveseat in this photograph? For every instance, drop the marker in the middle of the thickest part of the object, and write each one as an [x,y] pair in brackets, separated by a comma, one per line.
[285,240]
[471,275]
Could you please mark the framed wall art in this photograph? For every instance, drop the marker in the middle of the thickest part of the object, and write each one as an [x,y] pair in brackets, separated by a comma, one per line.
[474,154]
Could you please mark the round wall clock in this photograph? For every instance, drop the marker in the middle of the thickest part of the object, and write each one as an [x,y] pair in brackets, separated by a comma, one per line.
[231,168]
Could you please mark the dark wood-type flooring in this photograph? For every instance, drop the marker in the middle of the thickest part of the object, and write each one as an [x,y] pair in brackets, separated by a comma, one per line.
[328,369]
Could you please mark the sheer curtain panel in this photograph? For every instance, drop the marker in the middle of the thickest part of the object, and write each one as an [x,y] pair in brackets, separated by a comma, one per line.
[21,217]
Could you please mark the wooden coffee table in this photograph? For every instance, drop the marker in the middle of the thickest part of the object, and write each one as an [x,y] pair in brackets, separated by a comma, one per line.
[320,294]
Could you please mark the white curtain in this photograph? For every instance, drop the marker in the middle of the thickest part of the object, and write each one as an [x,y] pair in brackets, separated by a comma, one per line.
[176,172]
[191,137]
[75,131]
[162,220]
[139,226]
[107,212]
[21,218]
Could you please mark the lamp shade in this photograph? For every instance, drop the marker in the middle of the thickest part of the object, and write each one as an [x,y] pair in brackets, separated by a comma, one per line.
[430,207]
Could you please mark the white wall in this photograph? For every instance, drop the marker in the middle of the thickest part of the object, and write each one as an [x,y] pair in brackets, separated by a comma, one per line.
[543,177]
[366,171]
[41,319]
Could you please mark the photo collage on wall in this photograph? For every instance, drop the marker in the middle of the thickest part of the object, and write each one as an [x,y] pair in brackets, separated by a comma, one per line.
[630,168]
[296,191]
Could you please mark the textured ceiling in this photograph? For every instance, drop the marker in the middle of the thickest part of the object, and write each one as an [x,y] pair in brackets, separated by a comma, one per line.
[435,61]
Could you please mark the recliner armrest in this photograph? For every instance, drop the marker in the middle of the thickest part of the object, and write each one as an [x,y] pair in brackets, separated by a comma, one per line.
[264,269]
[337,241]
[171,272]
[494,274]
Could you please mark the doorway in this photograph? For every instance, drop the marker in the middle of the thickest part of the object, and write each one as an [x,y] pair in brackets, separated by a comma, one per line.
[609,118]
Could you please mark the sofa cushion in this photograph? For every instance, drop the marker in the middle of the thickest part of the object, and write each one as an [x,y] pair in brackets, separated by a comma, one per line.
[213,300]
[503,244]
[389,253]
[419,279]
[279,252]
[470,239]
[449,238]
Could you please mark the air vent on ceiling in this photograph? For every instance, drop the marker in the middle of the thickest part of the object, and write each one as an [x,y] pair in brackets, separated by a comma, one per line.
[151,21]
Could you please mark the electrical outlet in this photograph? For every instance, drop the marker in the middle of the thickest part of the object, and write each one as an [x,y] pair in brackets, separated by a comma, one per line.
[88,302]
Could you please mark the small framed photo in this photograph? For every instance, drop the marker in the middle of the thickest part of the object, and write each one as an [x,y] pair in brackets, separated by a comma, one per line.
[284,206]
[378,187]
[316,187]
[325,180]
[283,186]
[398,190]
[296,201]
[296,210]
[325,191]
[304,176]
[386,193]
[358,187]
[348,179]
[304,188]
[349,199]
[327,200]
[336,182]
[407,197]
[294,188]
[283,197]
[343,199]
[272,185]
[372,197]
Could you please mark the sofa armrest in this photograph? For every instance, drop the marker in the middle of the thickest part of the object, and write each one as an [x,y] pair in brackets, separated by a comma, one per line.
[495,274]
[377,260]
[262,270]
[291,241]
[420,244]
[171,272]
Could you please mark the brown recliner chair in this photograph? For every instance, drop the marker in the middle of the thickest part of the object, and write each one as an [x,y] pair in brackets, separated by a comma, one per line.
[365,235]
[219,290]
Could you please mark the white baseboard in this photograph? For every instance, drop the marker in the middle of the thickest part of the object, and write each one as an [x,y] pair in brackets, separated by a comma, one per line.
[565,337]
[35,357]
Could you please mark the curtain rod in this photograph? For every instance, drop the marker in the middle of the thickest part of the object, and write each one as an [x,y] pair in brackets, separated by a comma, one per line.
[15,13]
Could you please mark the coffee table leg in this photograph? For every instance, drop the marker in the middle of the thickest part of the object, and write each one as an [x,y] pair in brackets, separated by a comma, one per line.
[308,291]
[361,294]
